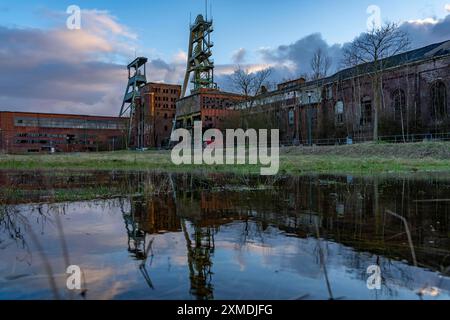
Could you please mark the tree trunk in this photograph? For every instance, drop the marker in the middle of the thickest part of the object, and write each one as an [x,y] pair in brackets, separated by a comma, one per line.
[376,105]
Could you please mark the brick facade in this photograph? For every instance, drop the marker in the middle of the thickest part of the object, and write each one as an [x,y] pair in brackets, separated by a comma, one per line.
[23,132]
[415,101]
[159,108]
[212,107]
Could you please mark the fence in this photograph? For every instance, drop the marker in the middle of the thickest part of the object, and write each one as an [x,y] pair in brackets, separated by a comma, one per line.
[411,138]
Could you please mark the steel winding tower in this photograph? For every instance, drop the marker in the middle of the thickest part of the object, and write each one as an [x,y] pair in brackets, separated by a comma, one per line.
[132,102]
[199,54]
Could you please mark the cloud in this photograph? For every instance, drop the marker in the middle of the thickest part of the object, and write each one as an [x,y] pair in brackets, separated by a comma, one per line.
[180,57]
[172,72]
[47,71]
[61,70]
[228,69]
[74,71]
[427,31]
[294,59]
[426,21]
[447,7]
[83,71]
[100,21]
[238,56]
[223,72]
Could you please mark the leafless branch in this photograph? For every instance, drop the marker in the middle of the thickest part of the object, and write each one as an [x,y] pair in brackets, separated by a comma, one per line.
[377,44]
[249,83]
[320,64]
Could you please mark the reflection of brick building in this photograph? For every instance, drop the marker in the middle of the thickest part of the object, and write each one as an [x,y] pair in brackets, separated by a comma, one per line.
[210,106]
[159,106]
[22,132]
[156,215]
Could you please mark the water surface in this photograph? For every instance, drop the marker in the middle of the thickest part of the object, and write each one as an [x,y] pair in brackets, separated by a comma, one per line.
[163,236]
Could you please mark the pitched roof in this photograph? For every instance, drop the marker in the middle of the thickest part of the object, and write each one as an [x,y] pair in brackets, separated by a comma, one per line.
[432,51]
[428,52]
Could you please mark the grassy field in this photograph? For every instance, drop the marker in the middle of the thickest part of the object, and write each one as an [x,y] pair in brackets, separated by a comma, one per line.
[357,159]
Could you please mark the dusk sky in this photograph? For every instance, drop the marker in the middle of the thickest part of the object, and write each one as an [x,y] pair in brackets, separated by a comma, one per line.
[47,67]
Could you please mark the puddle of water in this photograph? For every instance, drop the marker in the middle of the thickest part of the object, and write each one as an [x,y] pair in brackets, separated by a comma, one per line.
[223,237]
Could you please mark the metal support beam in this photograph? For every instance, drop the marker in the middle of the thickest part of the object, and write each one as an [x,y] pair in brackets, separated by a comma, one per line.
[131,106]
[199,63]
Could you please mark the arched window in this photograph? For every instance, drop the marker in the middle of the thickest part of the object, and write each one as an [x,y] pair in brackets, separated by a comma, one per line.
[438,100]
[399,104]
[339,112]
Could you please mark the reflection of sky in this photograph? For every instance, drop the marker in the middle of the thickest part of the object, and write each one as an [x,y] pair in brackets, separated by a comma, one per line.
[264,265]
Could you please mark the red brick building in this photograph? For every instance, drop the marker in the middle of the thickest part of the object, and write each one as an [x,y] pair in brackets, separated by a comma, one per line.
[415,102]
[24,132]
[158,113]
[211,106]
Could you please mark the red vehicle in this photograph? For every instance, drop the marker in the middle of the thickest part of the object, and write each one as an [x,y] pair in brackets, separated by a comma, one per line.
[208,142]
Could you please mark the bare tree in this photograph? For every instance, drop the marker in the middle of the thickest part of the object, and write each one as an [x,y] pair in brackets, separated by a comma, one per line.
[260,79]
[249,83]
[320,64]
[241,81]
[270,85]
[305,76]
[372,48]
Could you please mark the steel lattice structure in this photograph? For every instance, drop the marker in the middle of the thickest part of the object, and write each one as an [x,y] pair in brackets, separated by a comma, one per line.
[131,105]
[199,63]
